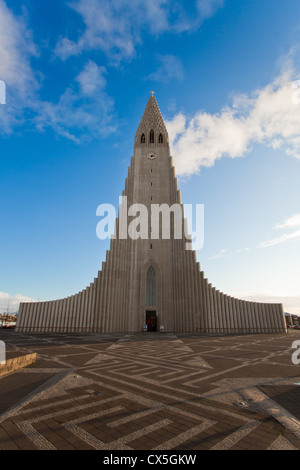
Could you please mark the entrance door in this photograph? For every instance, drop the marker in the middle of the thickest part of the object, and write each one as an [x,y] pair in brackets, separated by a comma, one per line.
[151,320]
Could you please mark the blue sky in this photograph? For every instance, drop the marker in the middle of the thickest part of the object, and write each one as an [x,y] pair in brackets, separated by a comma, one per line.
[78,76]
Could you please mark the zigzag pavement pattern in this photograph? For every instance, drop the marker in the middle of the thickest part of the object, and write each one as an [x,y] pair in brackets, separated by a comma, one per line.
[155,392]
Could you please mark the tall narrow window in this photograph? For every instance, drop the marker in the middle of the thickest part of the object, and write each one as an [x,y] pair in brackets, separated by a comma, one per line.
[160,139]
[151,137]
[143,139]
[151,287]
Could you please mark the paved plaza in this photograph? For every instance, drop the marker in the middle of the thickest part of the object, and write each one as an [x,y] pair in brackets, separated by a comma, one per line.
[151,391]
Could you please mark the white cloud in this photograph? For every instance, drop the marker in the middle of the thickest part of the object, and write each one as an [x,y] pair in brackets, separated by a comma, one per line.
[80,113]
[269,116]
[92,78]
[113,26]
[11,303]
[207,8]
[222,254]
[16,50]
[116,26]
[291,222]
[84,109]
[170,68]
[282,239]
[241,250]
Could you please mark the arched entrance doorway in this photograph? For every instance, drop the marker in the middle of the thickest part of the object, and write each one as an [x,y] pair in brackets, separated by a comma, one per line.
[151,320]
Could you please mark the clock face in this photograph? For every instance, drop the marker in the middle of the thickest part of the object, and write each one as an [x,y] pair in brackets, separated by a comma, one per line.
[151,156]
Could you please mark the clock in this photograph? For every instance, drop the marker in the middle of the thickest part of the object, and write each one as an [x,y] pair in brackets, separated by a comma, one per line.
[151,156]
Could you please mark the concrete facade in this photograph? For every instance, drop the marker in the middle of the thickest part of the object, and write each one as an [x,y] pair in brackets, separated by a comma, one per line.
[154,280]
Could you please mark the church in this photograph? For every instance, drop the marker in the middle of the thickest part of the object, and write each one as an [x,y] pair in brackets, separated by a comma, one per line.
[151,283]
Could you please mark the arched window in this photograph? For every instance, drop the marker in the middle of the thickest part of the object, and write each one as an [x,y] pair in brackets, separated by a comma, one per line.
[143,140]
[151,137]
[151,287]
[160,139]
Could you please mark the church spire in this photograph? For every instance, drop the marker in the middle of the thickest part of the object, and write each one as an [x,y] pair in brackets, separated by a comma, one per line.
[152,129]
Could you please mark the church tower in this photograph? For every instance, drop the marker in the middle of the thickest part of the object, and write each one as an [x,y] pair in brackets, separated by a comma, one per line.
[149,277]
[157,269]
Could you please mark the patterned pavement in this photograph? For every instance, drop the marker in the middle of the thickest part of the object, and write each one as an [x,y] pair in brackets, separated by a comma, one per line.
[151,391]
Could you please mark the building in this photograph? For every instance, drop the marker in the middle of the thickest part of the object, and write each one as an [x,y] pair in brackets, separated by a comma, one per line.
[8,319]
[292,320]
[153,279]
